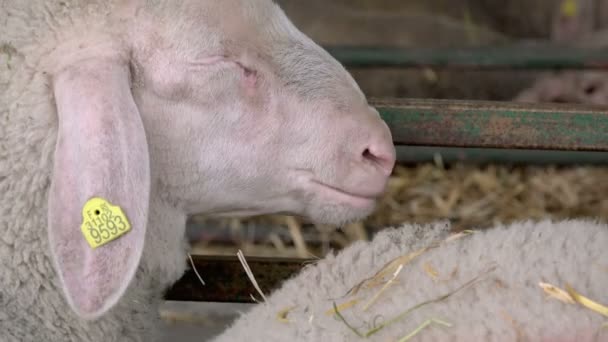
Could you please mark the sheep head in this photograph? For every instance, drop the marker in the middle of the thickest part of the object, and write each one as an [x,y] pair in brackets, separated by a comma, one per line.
[217,107]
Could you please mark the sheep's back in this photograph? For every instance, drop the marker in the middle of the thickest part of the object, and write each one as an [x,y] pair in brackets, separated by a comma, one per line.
[505,304]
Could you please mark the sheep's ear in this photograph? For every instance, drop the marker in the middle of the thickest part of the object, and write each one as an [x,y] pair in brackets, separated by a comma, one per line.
[99,195]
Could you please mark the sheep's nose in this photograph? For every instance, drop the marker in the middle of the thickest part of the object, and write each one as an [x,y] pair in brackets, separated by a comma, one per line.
[381,152]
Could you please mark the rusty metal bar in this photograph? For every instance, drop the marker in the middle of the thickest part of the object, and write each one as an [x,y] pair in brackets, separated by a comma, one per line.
[528,56]
[503,125]
[226,280]
[450,155]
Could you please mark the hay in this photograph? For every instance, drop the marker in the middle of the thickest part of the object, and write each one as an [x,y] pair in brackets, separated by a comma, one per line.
[568,296]
[405,313]
[586,302]
[469,196]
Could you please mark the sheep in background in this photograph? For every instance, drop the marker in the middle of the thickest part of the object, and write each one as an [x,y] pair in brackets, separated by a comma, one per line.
[582,87]
[492,278]
[574,86]
[120,118]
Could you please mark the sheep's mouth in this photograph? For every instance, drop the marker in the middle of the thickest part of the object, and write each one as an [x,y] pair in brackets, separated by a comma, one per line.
[356,199]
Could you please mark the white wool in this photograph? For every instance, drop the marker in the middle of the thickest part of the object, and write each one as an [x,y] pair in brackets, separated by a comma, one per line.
[505,304]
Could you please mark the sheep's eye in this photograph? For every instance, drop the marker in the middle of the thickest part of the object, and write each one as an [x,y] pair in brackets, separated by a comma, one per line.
[248,72]
[250,75]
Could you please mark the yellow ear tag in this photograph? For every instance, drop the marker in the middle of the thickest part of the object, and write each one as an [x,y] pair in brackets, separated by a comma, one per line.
[102,222]
[569,8]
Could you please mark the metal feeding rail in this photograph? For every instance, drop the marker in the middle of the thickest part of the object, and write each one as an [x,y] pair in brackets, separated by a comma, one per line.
[526,56]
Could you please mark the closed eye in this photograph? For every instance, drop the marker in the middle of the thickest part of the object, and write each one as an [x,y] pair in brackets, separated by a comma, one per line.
[207,61]
[250,75]
[247,70]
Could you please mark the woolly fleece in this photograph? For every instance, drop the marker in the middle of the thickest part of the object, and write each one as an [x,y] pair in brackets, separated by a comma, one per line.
[506,304]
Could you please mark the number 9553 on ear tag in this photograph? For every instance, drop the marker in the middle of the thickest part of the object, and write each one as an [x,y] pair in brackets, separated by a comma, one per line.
[102,222]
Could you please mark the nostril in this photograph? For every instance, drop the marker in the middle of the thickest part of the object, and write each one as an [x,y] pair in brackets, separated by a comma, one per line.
[368,155]
[383,157]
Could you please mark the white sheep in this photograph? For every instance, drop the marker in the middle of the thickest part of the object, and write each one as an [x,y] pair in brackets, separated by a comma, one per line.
[573,86]
[127,116]
[493,278]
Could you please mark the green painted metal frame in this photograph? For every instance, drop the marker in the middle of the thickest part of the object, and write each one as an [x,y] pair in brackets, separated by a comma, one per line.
[523,56]
[507,56]
[408,155]
[504,125]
